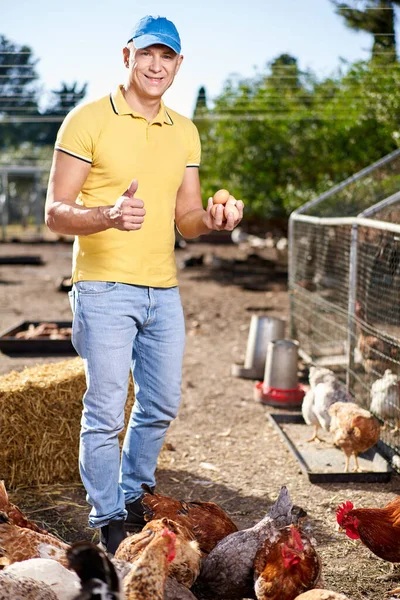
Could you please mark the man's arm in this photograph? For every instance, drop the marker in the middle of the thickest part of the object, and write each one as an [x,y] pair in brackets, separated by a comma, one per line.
[63,214]
[190,217]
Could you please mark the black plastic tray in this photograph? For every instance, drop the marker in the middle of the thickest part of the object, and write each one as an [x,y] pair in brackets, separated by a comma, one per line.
[19,259]
[323,463]
[13,346]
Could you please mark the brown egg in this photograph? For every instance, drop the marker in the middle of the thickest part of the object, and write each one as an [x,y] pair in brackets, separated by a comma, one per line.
[221,197]
[230,206]
[214,210]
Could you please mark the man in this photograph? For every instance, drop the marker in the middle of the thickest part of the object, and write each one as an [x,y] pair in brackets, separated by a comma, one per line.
[125,168]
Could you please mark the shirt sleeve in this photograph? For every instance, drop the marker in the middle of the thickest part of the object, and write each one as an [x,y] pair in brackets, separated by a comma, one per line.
[76,135]
[195,148]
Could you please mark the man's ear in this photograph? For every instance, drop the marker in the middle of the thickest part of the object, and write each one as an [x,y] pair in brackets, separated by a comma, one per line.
[179,62]
[126,54]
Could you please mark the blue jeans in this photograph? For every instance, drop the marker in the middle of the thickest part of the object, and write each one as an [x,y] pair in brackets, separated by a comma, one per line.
[118,327]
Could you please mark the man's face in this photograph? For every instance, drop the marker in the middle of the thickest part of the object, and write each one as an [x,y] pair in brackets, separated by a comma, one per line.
[152,70]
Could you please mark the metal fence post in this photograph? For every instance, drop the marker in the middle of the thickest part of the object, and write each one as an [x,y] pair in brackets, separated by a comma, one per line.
[291,274]
[351,323]
[4,205]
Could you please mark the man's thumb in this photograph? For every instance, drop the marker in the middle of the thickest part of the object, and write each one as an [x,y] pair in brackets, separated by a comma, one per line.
[133,186]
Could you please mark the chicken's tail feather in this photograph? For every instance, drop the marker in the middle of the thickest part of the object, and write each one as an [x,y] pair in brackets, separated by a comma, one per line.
[147,489]
[282,507]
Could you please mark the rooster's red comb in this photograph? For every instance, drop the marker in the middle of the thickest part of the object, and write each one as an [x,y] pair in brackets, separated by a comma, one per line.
[296,537]
[342,510]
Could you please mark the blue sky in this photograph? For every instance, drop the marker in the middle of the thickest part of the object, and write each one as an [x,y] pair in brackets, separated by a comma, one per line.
[82,40]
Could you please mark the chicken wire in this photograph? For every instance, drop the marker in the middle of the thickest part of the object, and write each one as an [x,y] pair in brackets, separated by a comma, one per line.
[344,282]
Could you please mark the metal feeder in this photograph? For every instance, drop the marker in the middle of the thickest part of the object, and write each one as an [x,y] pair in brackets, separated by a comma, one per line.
[280,386]
[262,331]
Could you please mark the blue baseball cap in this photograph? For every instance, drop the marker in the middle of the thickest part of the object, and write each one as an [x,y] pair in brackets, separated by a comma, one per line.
[156,30]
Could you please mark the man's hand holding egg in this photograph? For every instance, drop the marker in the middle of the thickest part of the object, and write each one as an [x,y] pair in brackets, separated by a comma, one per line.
[225,210]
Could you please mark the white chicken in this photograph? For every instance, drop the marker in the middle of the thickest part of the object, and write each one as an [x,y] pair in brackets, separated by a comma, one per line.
[64,583]
[318,594]
[385,399]
[325,390]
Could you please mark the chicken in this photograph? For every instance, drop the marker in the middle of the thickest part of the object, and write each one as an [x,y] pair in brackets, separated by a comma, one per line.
[354,430]
[16,588]
[98,576]
[377,353]
[18,543]
[14,513]
[385,398]
[227,572]
[377,528]
[186,565]
[321,595]
[285,566]
[325,390]
[62,581]
[147,578]
[205,520]
[176,591]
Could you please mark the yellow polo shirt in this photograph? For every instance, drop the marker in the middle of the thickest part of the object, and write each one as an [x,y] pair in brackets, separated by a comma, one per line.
[121,145]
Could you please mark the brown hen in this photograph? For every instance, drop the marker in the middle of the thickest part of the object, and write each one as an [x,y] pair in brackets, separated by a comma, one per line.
[185,566]
[205,520]
[19,543]
[14,513]
[354,430]
[286,566]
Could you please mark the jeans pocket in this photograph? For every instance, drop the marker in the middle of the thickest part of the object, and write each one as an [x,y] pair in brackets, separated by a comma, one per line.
[71,297]
[95,287]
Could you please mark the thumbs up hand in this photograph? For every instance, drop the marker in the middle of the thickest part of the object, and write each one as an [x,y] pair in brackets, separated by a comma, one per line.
[128,212]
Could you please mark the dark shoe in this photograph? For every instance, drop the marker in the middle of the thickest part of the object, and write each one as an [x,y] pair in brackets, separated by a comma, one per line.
[135,519]
[111,535]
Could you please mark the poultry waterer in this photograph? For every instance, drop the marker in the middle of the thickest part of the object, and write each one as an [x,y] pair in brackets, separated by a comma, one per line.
[262,331]
[280,387]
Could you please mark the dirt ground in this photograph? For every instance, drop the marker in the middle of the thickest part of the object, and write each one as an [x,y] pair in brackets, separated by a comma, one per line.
[221,446]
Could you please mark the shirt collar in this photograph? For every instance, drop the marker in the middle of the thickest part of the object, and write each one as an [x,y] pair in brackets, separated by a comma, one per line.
[121,107]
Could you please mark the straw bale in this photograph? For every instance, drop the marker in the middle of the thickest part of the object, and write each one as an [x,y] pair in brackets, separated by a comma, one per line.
[40,413]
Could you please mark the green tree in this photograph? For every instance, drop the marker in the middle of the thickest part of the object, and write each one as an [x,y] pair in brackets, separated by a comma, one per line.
[63,101]
[277,141]
[377,18]
[18,91]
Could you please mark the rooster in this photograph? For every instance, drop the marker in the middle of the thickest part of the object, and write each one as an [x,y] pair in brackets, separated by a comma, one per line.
[18,543]
[354,430]
[321,595]
[186,564]
[228,571]
[377,528]
[286,566]
[205,520]
[325,390]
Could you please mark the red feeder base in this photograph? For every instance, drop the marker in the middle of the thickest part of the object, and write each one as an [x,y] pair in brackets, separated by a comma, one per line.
[279,398]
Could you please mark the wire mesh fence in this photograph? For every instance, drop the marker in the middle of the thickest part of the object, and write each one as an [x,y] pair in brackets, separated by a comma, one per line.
[344,282]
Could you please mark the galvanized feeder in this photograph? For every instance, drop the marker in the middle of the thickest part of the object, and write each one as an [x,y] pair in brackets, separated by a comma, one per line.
[280,386]
[263,330]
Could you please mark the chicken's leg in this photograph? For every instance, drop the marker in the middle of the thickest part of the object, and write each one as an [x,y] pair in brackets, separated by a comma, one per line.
[315,437]
[357,468]
[346,467]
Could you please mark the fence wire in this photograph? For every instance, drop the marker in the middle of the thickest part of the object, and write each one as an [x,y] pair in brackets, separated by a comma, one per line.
[344,283]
